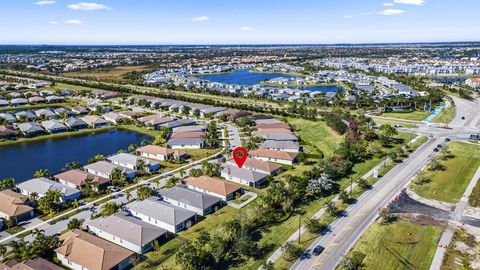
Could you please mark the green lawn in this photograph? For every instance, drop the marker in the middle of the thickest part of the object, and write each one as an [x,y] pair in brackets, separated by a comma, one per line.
[316,136]
[401,245]
[415,116]
[449,185]
[446,116]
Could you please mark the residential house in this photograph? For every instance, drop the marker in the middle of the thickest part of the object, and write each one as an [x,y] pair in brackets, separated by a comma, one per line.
[54,126]
[7,117]
[198,202]
[162,214]
[26,115]
[155,120]
[257,165]
[42,185]
[45,113]
[80,250]
[187,134]
[244,176]
[286,158]
[232,114]
[18,102]
[262,120]
[214,187]
[54,99]
[473,82]
[94,121]
[279,137]
[63,111]
[36,100]
[133,162]
[273,131]
[127,231]
[75,123]
[186,143]
[104,94]
[284,146]
[105,169]
[14,205]
[197,128]
[31,129]
[272,126]
[32,264]
[131,114]
[178,123]
[79,110]
[76,178]
[7,132]
[161,153]
[113,117]
[3,103]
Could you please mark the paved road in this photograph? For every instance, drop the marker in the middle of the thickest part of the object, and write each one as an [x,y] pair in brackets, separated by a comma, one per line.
[347,230]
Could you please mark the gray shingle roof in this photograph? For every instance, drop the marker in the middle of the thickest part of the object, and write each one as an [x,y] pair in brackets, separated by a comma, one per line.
[160,210]
[190,197]
[128,228]
[185,141]
[42,185]
[243,173]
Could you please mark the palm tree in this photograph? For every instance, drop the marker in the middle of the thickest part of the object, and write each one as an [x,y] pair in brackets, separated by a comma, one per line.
[41,173]
[109,209]
[144,193]
[3,250]
[75,203]
[128,194]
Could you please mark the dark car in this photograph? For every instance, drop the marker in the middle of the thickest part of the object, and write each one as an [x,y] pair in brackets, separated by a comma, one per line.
[447,139]
[317,250]
[463,117]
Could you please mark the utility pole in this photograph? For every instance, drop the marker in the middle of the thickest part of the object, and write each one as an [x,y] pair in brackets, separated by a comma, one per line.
[299,228]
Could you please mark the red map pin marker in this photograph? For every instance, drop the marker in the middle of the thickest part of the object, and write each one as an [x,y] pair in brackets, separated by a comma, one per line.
[240,156]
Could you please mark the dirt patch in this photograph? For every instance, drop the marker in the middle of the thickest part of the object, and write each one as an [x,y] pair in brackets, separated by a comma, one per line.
[424,220]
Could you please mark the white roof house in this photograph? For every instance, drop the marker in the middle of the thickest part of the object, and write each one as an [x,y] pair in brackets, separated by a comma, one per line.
[42,185]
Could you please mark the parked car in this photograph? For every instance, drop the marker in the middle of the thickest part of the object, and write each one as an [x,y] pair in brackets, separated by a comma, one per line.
[318,250]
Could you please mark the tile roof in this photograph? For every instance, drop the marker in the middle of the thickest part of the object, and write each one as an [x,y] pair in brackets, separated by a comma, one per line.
[78,177]
[13,203]
[90,251]
[212,184]
[273,154]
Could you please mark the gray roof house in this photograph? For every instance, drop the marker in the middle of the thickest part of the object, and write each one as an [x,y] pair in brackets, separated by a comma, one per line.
[54,126]
[3,103]
[178,123]
[63,111]
[75,123]
[244,176]
[284,146]
[54,99]
[31,129]
[132,162]
[19,101]
[7,117]
[45,113]
[42,185]
[105,169]
[162,214]
[126,231]
[79,110]
[186,143]
[27,114]
[192,200]
[279,137]
[113,117]
[189,129]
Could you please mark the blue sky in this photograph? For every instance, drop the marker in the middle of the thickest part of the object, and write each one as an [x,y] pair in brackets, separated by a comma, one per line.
[237,21]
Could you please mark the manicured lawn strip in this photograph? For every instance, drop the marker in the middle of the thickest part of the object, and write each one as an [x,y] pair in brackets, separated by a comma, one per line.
[415,116]
[418,143]
[316,136]
[381,121]
[450,184]
[14,230]
[163,256]
[446,116]
[400,245]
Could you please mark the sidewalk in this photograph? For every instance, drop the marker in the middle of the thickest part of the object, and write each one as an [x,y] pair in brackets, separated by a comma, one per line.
[447,235]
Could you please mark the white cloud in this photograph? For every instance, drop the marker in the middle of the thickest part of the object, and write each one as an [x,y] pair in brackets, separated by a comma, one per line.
[245,28]
[366,13]
[388,4]
[200,19]
[390,12]
[53,23]
[73,22]
[44,2]
[410,2]
[348,16]
[88,6]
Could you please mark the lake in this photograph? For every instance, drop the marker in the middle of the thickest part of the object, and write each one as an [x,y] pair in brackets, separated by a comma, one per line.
[21,160]
[242,77]
[246,77]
